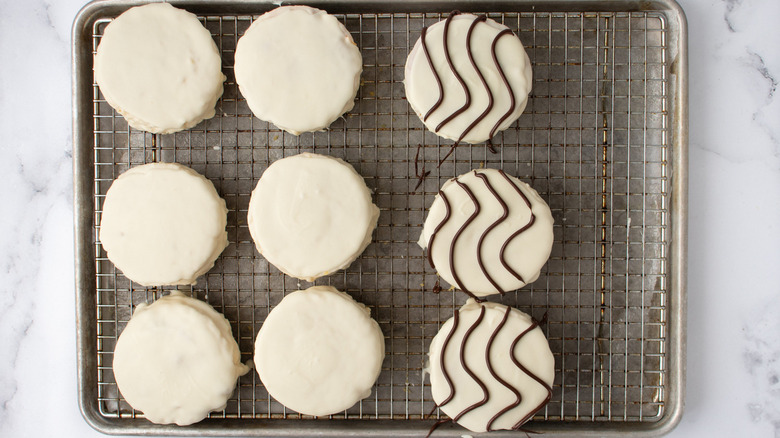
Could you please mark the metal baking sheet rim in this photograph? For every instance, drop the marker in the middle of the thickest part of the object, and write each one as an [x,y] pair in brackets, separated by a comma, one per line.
[86,330]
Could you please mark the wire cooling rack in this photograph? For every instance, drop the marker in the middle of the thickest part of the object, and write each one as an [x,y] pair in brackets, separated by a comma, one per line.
[594,141]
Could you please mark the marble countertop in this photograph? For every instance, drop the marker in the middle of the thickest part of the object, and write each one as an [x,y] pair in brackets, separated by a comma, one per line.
[733,361]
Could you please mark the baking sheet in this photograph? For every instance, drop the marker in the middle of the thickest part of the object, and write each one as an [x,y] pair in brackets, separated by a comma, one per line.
[603,141]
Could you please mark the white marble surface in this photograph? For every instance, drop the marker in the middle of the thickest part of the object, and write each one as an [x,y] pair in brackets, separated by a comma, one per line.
[733,384]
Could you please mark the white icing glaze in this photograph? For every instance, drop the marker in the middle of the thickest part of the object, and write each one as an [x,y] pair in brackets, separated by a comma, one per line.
[311,215]
[422,91]
[525,254]
[298,68]
[176,360]
[319,351]
[532,352]
[163,224]
[159,68]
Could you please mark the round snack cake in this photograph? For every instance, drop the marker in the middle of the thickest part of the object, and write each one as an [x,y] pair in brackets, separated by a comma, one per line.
[163,224]
[298,68]
[311,215]
[467,78]
[159,67]
[487,233]
[491,367]
[176,360]
[319,352]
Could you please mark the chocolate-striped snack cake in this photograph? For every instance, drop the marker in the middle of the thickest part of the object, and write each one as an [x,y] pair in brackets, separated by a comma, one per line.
[467,78]
[487,232]
[491,367]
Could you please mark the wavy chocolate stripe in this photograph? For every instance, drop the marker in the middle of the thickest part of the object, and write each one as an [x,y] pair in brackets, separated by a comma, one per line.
[479,19]
[481,264]
[446,376]
[530,374]
[518,232]
[457,235]
[438,227]
[503,78]
[515,391]
[435,74]
[448,58]
[468,371]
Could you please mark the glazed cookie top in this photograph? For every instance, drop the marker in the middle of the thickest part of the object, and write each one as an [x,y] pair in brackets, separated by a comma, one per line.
[163,224]
[159,67]
[491,367]
[468,77]
[311,215]
[176,360]
[487,233]
[319,351]
[298,68]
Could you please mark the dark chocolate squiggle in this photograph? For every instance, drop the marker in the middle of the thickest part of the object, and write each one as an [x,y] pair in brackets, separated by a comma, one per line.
[518,397]
[448,58]
[530,374]
[435,74]
[438,227]
[468,371]
[479,19]
[503,78]
[457,235]
[489,229]
[518,232]
[446,376]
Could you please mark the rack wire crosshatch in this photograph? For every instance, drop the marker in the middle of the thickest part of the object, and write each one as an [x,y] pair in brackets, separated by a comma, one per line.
[595,141]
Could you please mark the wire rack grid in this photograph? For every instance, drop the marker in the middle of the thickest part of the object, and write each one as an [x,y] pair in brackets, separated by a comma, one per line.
[593,141]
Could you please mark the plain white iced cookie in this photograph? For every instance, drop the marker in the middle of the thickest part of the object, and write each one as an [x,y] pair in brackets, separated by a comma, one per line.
[298,68]
[319,351]
[474,86]
[508,373]
[158,67]
[163,224]
[311,215]
[487,233]
[176,360]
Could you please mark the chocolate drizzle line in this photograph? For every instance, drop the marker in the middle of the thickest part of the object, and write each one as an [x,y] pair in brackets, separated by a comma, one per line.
[479,19]
[436,426]
[484,179]
[531,413]
[471,374]
[420,175]
[518,232]
[456,319]
[518,397]
[438,227]
[455,238]
[448,58]
[435,74]
[503,78]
